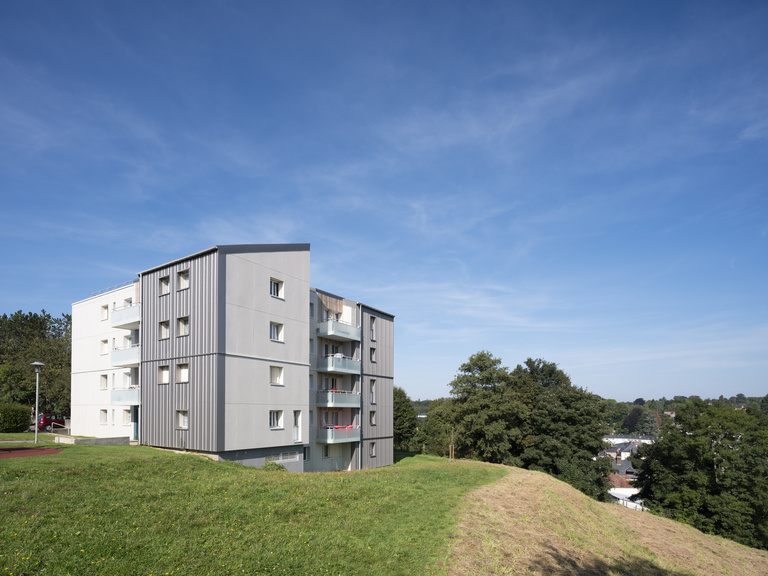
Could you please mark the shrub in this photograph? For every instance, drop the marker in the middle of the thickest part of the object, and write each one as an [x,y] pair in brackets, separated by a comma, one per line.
[274,467]
[14,418]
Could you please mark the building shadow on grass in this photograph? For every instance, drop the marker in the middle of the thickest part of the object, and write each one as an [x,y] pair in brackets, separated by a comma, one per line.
[555,561]
[403,454]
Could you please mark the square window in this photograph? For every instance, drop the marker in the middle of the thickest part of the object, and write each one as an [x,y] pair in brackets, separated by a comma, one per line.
[104,345]
[105,312]
[275,418]
[182,373]
[103,382]
[275,288]
[276,375]
[182,419]
[183,279]
[372,449]
[373,418]
[126,418]
[163,375]
[165,285]
[373,355]
[183,326]
[102,416]
[275,331]
[165,330]
[373,392]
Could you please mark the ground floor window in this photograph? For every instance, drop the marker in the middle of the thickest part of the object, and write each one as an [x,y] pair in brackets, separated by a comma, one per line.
[182,419]
[372,449]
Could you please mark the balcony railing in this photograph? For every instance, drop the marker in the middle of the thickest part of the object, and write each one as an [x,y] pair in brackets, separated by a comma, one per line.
[338,363]
[337,399]
[126,357]
[125,397]
[337,434]
[127,317]
[335,330]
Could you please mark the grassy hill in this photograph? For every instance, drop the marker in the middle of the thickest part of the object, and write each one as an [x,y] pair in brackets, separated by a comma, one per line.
[135,510]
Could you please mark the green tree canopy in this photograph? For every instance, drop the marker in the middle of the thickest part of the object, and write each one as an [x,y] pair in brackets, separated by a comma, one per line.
[709,468]
[405,420]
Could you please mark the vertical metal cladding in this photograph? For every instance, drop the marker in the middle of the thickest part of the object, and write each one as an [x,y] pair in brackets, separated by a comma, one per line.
[196,306]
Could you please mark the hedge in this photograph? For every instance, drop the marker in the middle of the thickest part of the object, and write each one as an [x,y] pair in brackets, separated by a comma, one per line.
[14,418]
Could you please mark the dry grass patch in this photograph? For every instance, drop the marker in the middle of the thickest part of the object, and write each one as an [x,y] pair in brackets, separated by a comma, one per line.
[530,523]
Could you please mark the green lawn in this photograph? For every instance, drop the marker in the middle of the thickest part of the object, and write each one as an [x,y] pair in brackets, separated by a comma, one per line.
[135,510]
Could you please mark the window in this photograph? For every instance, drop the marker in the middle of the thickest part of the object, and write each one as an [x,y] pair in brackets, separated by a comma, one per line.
[373,354]
[311,310]
[373,417]
[165,330]
[326,451]
[275,288]
[182,373]
[183,326]
[373,328]
[372,449]
[275,418]
[373,392]
[182,419]
[275,331]
[163,375]
[104,347]
[127,380]
[105,312]
[297,425]
[165,285]
[276,375]
[102,416]
[127,418]
[306,453]
[311,345]
[311,382]
[311,417]
[103,382]
[183,279]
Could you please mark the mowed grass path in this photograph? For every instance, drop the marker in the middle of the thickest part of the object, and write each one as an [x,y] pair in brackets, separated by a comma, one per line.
[136,510]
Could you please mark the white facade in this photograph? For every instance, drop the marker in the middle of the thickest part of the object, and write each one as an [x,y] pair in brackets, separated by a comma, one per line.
[230,352]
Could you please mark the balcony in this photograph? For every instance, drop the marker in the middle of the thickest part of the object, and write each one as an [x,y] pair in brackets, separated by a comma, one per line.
[127,317]
[337,434]
[334,330]
[125,357]
[338,364]
[337,399]
[125,397]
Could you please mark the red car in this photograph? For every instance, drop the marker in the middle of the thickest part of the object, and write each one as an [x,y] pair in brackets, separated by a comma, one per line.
[50,421]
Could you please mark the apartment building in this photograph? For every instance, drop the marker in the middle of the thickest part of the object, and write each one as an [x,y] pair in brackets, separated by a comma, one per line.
[231,352]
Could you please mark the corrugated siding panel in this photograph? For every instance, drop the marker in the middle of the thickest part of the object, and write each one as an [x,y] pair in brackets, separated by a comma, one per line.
[385,454]
[160,402]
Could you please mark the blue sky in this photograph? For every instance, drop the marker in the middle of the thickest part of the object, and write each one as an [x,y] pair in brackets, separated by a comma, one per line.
[583,183]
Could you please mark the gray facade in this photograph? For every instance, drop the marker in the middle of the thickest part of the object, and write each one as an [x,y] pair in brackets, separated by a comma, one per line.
[240,358]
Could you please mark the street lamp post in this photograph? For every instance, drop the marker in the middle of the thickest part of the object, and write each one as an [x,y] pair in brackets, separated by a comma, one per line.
[38,366]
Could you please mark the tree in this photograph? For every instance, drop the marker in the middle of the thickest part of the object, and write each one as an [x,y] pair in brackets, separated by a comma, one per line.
[648,424]
[633,419]
[438,431]
[405,420]
[639,402]
[709,469]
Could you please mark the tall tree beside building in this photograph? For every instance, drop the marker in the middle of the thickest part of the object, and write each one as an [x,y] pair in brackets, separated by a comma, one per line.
[32,337]
[405,418]
[709,469]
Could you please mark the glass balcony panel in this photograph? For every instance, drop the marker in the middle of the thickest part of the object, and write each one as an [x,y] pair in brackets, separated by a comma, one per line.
[125,397]
[334,330]
[338,363]
[127,318]
[337,434]
[125,357]
[337,399]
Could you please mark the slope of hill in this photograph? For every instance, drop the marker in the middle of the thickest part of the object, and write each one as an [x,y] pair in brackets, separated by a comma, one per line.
[530,523]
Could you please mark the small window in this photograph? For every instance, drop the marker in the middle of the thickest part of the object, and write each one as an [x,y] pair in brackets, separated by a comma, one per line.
[127,380]
[373,354]
[182,419]
[373,392]
[275,288]
[373,328]
[276,375]
[311,417]
[105,312]
[275,331]
[306,453]
[103,382]
[311,382]
[372,449]
[326,451]
[373,418]
[104,347]
[102,417]
[165,330]
[311,310]
[183,326]
[183,279]
[165,285]
[182,373]
[275,418]
[127,418]
[163,375]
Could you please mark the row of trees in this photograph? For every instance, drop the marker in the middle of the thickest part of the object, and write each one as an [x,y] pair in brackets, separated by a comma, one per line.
[531,417]
[33,337]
